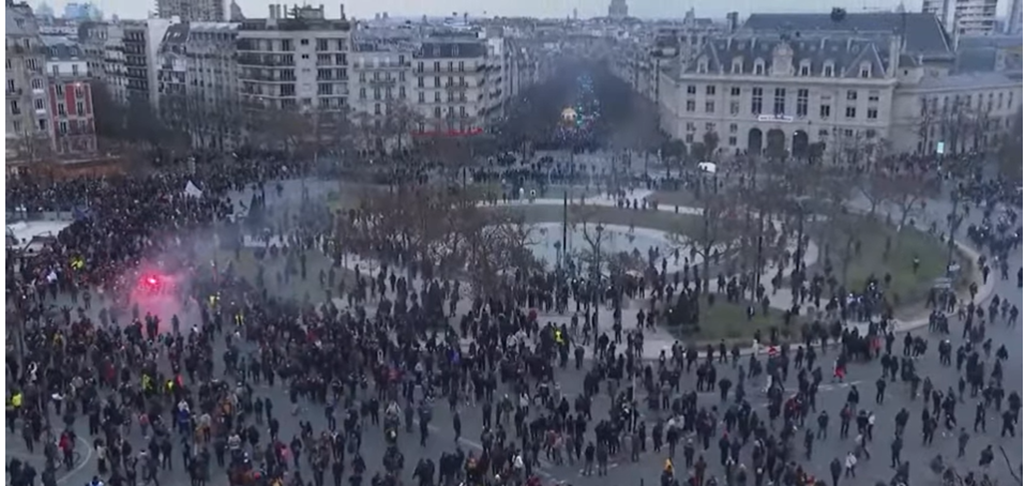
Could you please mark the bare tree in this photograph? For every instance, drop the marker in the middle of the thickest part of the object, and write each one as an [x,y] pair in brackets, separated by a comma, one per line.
[710,140]
[721,228]
[907,194]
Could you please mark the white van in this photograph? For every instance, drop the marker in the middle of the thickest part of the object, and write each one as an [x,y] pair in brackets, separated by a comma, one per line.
[708,167]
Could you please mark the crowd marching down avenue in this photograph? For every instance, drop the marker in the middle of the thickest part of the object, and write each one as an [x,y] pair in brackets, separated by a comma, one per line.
[150,344]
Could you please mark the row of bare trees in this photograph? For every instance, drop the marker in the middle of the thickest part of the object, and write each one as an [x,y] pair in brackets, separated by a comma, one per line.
[440,229]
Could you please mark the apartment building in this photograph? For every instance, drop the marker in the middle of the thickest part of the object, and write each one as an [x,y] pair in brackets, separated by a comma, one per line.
[974,17]
[193,10]
[381,81]
[451,85]
[28,126]
[283,60]
[70,95]
[212,74]
[141,45]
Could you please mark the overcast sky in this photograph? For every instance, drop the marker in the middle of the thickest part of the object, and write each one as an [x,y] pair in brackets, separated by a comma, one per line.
[541,8]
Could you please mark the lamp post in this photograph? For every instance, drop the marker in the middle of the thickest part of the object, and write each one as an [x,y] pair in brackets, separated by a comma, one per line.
[954,225]
[597,280]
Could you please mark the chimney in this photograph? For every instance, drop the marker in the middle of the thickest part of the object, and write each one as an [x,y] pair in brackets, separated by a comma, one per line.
[273,14]
[342,9]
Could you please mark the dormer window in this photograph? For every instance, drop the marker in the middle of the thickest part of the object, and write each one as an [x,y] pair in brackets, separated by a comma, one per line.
[865,70]
[828,69]
[702,66]
[758,67]
[737,66]
[805,68]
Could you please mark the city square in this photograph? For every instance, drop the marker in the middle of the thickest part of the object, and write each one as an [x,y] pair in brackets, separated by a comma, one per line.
[577,291]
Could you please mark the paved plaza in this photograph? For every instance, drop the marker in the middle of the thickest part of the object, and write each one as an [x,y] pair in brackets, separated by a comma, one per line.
[647,470]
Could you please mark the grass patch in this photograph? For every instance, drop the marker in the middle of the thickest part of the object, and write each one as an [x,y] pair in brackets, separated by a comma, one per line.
[871,260]
[728,321]
[659,220]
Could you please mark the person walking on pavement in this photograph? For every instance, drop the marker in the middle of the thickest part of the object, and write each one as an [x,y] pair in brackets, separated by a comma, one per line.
[896,448]
[851,465]
[961,443]
[836,468]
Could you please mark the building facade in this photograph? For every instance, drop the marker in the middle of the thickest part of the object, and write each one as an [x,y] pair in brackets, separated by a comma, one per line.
[28,126]
[381,85]
[451,85]
[70,93]
[847,94]
[284,60]
[141,44]
[975,17]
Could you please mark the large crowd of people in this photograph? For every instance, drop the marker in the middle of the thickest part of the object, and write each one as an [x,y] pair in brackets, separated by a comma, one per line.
[409,343]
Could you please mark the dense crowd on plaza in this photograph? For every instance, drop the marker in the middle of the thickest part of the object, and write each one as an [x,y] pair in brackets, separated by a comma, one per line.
[193,387]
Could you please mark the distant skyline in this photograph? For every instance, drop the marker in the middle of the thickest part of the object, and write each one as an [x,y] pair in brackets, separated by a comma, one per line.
[365,9]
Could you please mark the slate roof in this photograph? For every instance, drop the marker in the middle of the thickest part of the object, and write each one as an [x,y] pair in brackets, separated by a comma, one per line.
[177,34]
[450,50]
[924,34]
[846,53]
[981,80]
[60,47]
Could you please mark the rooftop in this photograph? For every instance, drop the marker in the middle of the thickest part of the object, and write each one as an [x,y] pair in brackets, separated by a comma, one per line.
[968,80]
[924,33]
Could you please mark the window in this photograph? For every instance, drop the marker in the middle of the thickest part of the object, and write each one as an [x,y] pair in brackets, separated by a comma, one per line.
[56,70]
[61,110]
[737,67]
[462,66]
[732,141]
[1000,98]
[691,89]
[59,89]
[865,70]
[690,127]
[74,69]
[801,102]
[805,70]
[873,96]
[709,90]
[63,126]
[734,91]
[758,67]
[734,107]
[15,124]
[42,125]
[421,97]
[872,113]
[851,112]
[39,104]
[437,81]
[15,109]
[401,92]
[825,111]
[780,101]
[709,127]
[755,101]
[37,83]
[870,133]
[10,85]
[304,42]
[376,109]
[437,112]
[733,128]
[709,107]
[691,105]
[419,81]
[689,138]
[462,111]
[848,132]
[702,67]
[827,71]
[822,133]
[437,97]
[362,93]
[851,95]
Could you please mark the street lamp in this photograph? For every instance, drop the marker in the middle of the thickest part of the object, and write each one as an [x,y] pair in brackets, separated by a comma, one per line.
[954,225]
[597,280]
